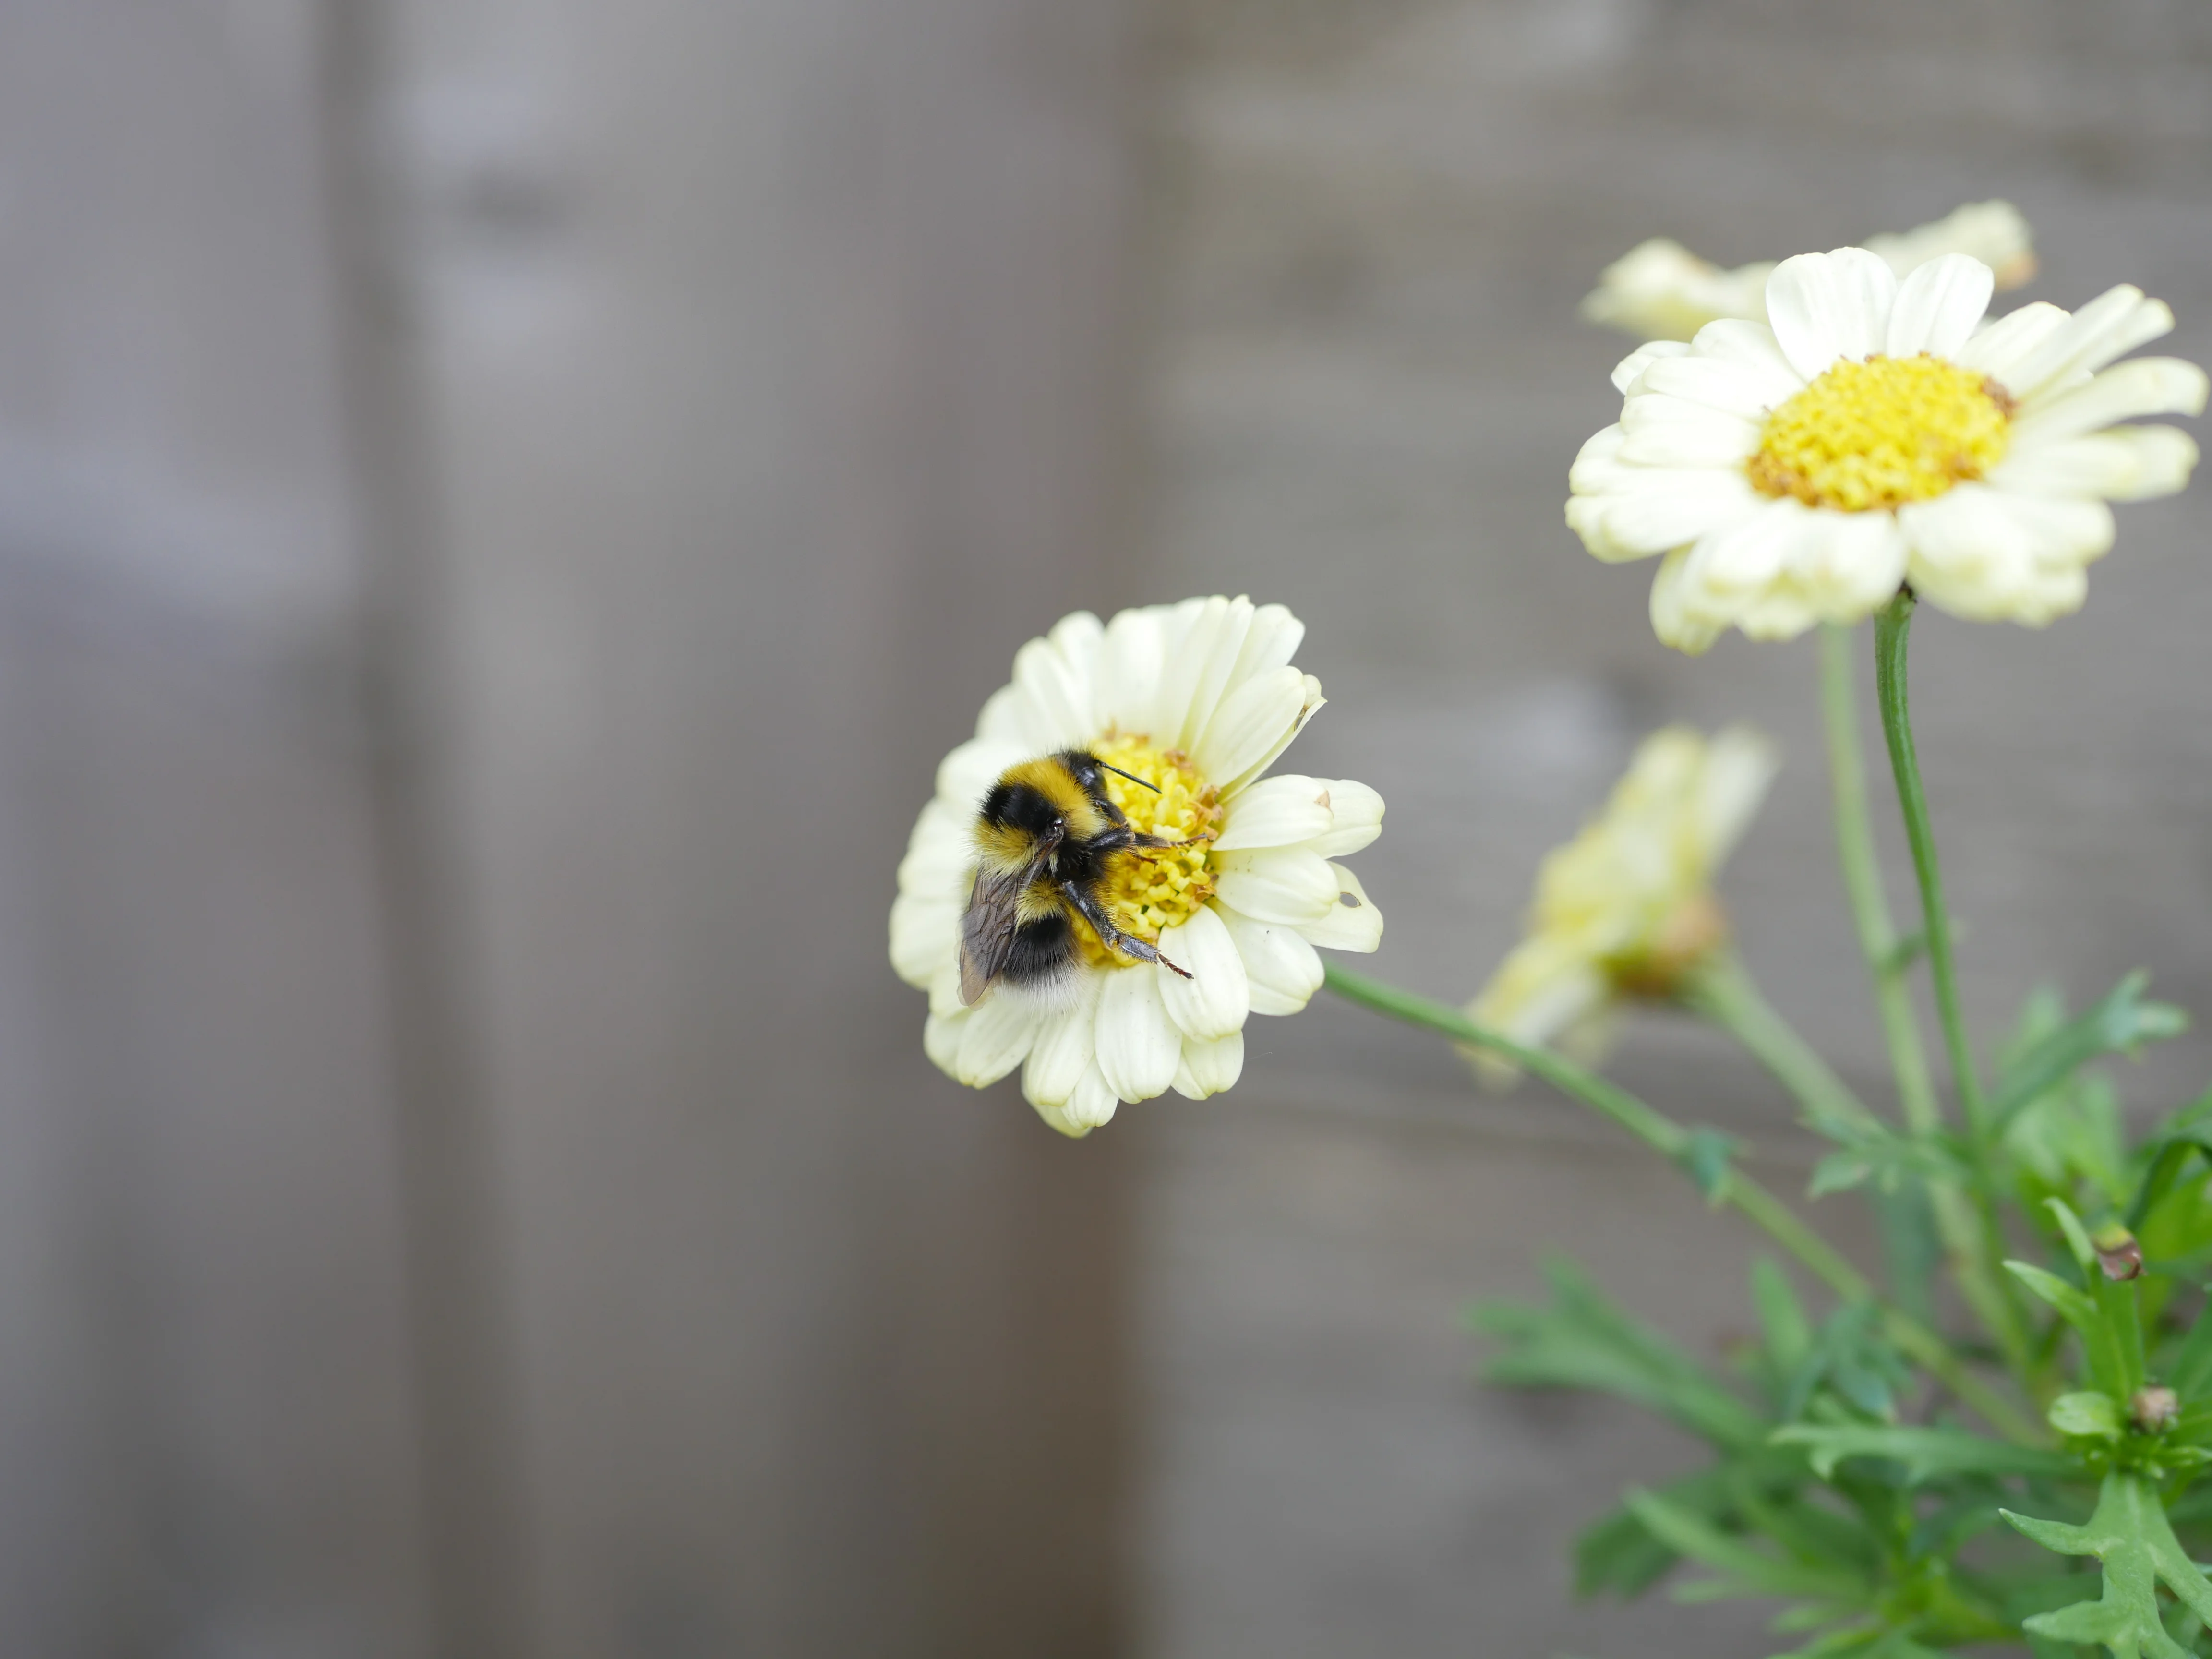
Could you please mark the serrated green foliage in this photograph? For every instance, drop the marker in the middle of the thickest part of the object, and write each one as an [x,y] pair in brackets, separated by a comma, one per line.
[1924,1453]
[2130,1538]
[2120,1022]
[1582,1341]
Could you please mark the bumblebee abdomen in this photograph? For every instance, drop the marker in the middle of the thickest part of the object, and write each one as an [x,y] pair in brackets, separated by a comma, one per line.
[1043,955]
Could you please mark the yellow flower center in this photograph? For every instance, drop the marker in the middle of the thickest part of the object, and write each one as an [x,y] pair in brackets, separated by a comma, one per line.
[1882,433]
[1150,890]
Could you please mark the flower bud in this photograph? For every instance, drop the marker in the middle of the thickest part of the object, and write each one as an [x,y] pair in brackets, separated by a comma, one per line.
[2154,1409]
[2117,1253]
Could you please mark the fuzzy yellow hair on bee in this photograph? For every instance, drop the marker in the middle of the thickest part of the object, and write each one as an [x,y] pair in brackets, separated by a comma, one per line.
[1048,839]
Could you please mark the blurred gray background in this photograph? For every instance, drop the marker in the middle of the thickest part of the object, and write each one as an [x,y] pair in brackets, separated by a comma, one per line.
[502,507]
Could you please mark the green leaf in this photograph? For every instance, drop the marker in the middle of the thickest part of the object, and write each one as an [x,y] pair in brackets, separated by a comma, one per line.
[2076,1235]
[1582,1341]
[1619,1556]
[2114,1358]
[2088,1413]
[1744,1570]
[2074,1306]
[2191,1374]
[1706,1155]
[2132,1540]
[1926,1453]
[1888,1160]
[1782,1316]
[2120,1023]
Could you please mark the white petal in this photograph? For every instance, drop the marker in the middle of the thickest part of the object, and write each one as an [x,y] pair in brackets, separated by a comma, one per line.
[2111,325]
[1310,702]
[2120,463]
[1752,345]
[1674,432]
[1781,613]
[1271,641]
[1852,566]
[1533,1013]
[1078,637]
[925,936]
[1938,306]
[997,1039]
[1056,1116]
[1283,969]
[1750,553]
[1251,724]
[1352,924]
[938,853]
[1968,554]
[1278,811]
[2144,385]
[1631,368]
[2000,350]
[1091,1106]
[1741,388]
[1139,1046]
[1597,470]
[1616,527]
[1674,619]
[1209,1068]
[1005,717]
[1739,766]
[1280,883]
[1202,643]
[966,774]
[1826,305]
[1216,680]
[1214,1001]
[940,1040]
[944,988]
[1359,811]
[1062,1051]
[1058,712]
[1127,678]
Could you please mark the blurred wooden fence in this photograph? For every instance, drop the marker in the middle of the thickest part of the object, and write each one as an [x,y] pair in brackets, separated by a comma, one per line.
[485,497]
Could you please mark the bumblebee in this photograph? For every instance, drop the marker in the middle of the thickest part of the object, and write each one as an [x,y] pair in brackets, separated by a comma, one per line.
[1047,839]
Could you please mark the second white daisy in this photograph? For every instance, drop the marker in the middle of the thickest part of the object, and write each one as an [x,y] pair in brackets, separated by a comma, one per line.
[1873,433]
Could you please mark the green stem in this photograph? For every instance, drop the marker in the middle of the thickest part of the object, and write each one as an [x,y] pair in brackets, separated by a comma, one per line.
[1893,624]
[1665,1136]
[1855,851]
[1973,1248]
[1722,992]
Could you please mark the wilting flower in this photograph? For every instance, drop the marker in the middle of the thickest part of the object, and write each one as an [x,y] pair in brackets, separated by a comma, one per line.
[1874,434]
[1659,291]
[1198,699]
[1626,909]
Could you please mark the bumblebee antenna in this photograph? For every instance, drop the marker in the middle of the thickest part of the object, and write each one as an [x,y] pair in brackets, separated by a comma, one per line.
[1132,776]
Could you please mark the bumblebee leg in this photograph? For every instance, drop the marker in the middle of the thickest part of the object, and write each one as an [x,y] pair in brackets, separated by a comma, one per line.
[1128,944]
[1160,844]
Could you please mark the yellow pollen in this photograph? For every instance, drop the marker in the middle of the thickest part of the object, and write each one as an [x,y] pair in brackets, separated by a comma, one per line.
[1883,432]
[1152,890]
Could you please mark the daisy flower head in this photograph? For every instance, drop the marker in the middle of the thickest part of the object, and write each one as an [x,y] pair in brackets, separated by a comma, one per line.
[1873,432]
[1659,291]
[1193,703]
[1627,909]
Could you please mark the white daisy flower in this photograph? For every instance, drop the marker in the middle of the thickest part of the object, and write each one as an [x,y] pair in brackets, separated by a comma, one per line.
[1625,909]
[1198,699]
[1659,291]
[1876,433]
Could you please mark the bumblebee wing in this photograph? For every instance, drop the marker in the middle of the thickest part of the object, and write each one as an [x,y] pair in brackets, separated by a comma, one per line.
[987,931]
